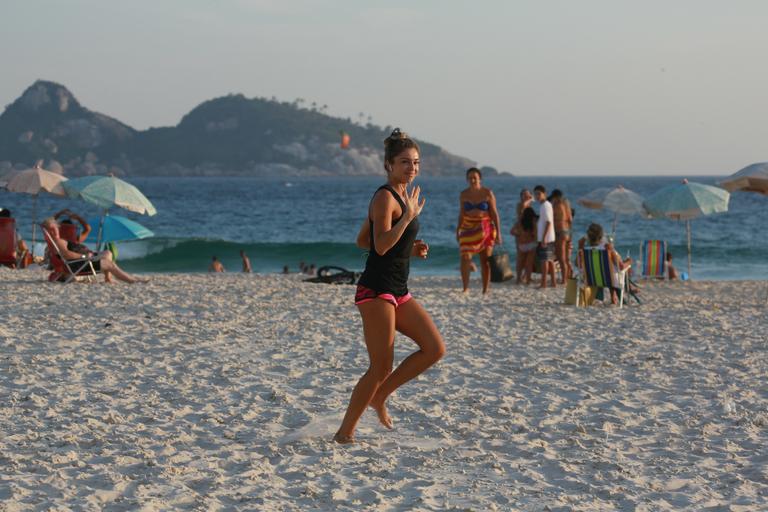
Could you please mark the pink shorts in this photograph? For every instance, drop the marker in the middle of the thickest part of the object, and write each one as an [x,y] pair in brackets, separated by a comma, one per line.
[365,294]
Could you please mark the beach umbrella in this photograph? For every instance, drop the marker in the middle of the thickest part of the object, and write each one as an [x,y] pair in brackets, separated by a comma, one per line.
[686,201]
[6,177]
[618,200]
[116,228]
[106,192]
[34,181]
[752,178]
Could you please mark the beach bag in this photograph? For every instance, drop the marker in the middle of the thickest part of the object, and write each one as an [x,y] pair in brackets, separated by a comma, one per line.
[571,291]
[500,268]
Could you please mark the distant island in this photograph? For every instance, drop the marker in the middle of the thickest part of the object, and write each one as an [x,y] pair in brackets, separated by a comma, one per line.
[227,136]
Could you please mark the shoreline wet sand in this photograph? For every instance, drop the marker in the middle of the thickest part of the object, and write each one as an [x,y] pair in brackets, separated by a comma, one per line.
[224,391]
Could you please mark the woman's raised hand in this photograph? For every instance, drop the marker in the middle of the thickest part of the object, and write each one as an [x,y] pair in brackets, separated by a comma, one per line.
[413,203]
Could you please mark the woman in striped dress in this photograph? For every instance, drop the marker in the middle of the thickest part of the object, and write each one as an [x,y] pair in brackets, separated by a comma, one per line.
[478,228]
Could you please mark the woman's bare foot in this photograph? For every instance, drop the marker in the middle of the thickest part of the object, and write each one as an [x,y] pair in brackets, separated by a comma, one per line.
[381,412]
[343,439]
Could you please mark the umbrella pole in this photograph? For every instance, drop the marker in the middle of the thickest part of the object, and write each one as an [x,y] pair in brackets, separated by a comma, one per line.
[613,229]
[688,229]
[101,229]
[34,222]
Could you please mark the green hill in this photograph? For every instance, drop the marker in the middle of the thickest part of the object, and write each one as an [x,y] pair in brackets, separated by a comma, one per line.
[231,135]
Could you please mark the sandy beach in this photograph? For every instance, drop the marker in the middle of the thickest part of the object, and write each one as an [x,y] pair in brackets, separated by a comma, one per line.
[222,392]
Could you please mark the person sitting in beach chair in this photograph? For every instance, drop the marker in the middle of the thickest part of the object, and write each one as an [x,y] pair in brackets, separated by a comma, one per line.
[68,229]
[653,258]
[600,266]
[69,264]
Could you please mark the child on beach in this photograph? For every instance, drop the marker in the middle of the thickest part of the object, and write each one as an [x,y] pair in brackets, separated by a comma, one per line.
[671,270]
[382,296]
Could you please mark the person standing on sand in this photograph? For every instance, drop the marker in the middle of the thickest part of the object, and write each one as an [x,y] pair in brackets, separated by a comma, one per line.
[563,222]
[382,296]
[478,228]
[246,262]
[526,200]
[216,265]
[545,235]
[525,232]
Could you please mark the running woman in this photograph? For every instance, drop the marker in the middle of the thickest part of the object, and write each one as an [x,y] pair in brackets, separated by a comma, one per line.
[382,296]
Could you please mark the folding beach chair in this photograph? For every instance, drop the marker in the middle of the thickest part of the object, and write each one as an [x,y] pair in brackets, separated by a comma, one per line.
[653,259]
[8,242]
[70,270]
[597,271]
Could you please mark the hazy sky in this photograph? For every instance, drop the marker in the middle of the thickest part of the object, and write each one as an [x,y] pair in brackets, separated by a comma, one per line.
[555,87]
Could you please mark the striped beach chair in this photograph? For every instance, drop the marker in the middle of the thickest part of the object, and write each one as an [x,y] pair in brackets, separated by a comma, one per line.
[599,272]
[653,259]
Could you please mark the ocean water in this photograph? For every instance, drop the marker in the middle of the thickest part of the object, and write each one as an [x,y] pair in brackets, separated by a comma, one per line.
[315,220]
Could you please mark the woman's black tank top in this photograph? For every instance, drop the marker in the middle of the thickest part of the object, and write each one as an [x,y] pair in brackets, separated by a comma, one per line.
[388,273]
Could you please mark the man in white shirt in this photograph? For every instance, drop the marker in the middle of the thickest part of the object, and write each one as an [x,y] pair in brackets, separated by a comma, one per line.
[545,235]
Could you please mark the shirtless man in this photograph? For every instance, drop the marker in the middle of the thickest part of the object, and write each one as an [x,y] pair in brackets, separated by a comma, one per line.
[216,265]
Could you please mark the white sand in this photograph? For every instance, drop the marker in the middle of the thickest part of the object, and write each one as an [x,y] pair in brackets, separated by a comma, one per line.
[222,392]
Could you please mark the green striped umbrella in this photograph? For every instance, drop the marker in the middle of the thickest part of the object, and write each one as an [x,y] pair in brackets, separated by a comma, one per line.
[687,201]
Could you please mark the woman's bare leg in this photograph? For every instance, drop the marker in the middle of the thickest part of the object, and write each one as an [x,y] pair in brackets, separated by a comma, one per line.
[379,332]
[561,259]
[412,321]
[466,260]
[519,265]
[485,268]
[528,258]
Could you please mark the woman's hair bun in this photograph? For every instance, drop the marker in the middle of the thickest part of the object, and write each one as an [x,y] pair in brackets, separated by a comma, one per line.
[397,135]
[396,143]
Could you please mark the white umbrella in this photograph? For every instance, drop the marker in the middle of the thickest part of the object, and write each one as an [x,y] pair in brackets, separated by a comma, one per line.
[752,178]
[33,181]
[6,177]
[618,200]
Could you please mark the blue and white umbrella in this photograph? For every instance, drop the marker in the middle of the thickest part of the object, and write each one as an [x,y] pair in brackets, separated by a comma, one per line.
[106,192]
[116,228]
[687,201]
